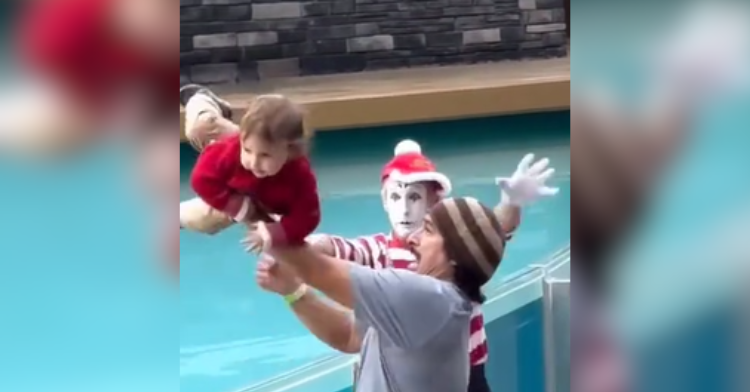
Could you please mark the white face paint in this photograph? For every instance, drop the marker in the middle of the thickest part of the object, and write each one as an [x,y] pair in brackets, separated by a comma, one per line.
[406,205]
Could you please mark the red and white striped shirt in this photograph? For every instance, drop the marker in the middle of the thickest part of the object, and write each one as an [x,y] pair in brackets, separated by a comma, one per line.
[385,251]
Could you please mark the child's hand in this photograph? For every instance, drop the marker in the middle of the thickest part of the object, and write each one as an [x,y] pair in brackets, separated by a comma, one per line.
[258,239]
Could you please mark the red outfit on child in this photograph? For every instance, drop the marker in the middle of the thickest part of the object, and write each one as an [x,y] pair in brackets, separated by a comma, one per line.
[220,180]
[72,43]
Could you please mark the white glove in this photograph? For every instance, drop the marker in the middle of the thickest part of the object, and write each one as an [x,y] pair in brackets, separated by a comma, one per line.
[528,183]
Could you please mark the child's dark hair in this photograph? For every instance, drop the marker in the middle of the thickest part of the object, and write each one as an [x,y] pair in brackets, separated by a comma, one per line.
[276,118]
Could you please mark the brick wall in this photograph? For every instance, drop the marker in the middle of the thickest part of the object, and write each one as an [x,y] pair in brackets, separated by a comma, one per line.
[229,41]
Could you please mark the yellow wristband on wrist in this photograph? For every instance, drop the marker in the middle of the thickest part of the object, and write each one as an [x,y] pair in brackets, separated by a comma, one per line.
[294,297]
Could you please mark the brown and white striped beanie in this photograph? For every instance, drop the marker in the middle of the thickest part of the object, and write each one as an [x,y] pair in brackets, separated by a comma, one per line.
[472,234]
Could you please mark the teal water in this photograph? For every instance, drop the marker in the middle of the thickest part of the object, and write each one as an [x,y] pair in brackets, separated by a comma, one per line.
[84,305]
[233,335]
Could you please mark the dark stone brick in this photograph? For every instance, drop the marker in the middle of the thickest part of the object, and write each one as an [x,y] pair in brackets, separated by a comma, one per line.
[466,11]
[340,7]
[289,24]
[217,55]
[420,14]
[409,41]
[332,32]
[263,52]
[376,8]
[549,4]
[555,39]
[452,39]
[331,20]
[512,33]
[438,51]
[194,14]
[364,29]
[321,65]
[317,9]
[190,29]
[190,3]
[331,46]
[186,44]
[504,19]
[559,16]
[471,22]
[291,36]
[418,61]
[374,65]
[297,50]
[393,54]
[415,27]
[195,57]
[232,12]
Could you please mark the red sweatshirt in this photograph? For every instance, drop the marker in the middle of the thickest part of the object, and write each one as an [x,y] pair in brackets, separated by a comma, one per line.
[71,42]
[220,180]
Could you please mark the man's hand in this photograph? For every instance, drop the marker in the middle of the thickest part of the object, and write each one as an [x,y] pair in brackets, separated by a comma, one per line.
[528,183]
[276,277]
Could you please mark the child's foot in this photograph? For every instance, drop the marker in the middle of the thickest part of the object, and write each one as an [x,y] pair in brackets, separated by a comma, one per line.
[189,90]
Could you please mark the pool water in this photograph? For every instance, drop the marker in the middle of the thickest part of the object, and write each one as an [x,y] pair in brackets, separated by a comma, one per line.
[233,335]
[85,306]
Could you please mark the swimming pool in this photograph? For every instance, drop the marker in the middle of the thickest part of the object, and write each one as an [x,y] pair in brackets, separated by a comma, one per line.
[232,335]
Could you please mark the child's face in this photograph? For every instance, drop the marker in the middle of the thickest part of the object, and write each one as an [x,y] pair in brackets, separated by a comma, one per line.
[263,158]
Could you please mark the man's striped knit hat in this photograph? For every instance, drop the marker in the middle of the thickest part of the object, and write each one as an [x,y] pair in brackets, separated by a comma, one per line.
[472,233]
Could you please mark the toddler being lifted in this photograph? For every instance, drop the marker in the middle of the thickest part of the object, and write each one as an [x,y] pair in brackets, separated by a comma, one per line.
[259,169]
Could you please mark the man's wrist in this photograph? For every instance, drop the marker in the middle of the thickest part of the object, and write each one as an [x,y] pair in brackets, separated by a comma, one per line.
[296,295]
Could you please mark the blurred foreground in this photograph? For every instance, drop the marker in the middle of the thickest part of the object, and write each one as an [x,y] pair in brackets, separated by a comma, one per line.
[661,203]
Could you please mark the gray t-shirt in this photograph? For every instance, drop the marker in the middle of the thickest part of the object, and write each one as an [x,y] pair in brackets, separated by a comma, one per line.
[416,332]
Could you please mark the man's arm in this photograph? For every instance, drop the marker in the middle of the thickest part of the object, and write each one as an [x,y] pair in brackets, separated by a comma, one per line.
[510,217]
[329,322]
[327,274]
[385,299]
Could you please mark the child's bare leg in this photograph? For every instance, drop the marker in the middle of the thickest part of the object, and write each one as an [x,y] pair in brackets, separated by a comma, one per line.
[207,117]
[196,215]
[39,121]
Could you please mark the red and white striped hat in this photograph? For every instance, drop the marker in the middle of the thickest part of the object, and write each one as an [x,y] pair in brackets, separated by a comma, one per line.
[409,165]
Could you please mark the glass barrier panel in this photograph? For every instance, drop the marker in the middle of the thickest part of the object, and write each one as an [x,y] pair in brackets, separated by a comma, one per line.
[556,299]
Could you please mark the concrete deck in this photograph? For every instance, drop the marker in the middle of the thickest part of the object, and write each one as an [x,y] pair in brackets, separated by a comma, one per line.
[420,94]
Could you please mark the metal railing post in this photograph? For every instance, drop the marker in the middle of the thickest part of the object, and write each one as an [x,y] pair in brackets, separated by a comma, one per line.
[556,316]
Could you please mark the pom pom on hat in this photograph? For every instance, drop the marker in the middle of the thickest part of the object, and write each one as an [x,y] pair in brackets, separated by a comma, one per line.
[407,147]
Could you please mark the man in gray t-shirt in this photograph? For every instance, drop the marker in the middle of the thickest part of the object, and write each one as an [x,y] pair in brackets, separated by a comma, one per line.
[415,331]
[412,327]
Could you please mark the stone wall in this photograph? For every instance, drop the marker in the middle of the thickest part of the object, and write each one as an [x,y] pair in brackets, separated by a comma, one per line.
[229,41]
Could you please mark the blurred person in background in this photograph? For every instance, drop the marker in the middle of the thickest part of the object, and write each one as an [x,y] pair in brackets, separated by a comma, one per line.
[90,67]
[619,156]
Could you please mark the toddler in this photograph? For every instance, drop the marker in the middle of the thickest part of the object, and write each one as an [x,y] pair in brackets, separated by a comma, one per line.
[262,169]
